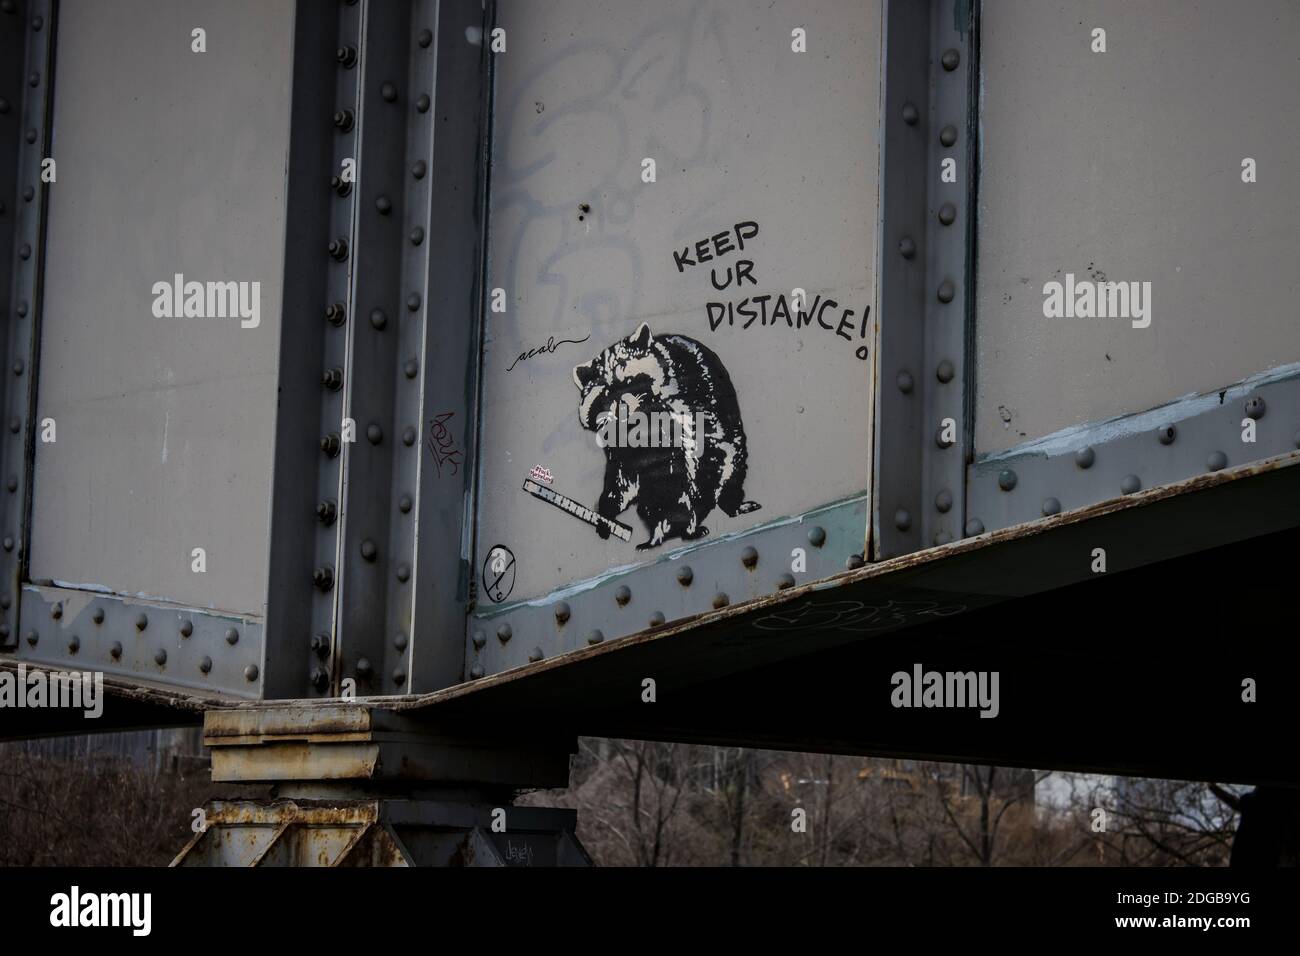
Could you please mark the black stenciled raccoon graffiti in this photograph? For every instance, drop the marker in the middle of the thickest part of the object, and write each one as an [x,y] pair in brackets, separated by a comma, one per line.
[673,484]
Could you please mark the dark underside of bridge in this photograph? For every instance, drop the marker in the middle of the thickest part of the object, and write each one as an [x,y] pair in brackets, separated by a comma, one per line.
[1137,670]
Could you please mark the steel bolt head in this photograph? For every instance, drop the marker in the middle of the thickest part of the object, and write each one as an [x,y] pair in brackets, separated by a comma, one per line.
[417,236]
[945,371]
[947,214]
[948,135]
[974,527]
[749,557]
[622,595]
[31,136]
[593,637]
[1166,434]
[330,445]
[319,678]
[8,543]
[947,291]
[15,425]
[536,655]
[368,550]
[399,676]
[400,641]
[422,103]
[1130,484]
[97,616]
[327,512]
[378,319]
[32,638]
[389,92]
[720,600]
[141,622]
[1006,479]
[404,504]
[854,561]
[562,612]
[320,643]
[419,168]
[1085,457]
[1051,506]
[346,55]
[250,673]
[338,249]
[5,601]
[232,636]
[364,669]
[205,665]
[504,633]
[480,639]
[902,519]
[323,577]
[425,38]
[408,436]
[160,658]
[24,252]
[1255,408]
[413,302]
[115,651]
[907,247]
[657,619]
[374,433]
[343,119]
[34,79]
[187,628]
[816,536]
[685,576]
[785,581]
[476,672]
[56,612]
[950,60]
[942,537]
[22,310]
[29,193]
[943,501]
[403,572]
[332,378]
[384,205]
[905,382]
[74,644]
[411,368]
[1217,461]
[340,185]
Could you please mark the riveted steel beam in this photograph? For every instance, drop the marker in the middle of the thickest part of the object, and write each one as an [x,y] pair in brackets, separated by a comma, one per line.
[26,102]
[927,189]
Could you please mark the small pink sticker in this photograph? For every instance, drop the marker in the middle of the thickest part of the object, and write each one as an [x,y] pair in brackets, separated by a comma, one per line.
[542,474]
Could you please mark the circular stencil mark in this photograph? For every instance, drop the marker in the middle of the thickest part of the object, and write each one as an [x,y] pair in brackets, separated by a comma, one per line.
[499,573]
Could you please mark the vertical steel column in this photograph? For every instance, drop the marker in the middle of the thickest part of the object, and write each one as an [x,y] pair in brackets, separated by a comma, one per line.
[304,543]
[26,104]
[927,188]
[409,377]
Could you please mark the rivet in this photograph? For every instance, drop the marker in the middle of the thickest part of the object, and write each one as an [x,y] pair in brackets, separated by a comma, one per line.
[974,527]
[854,561]
[785,581]
[12,484]
[941,538]
[338,249]
[18,368]
[15,425]
[4,106]
[403,572]
[480,639]
[562,612]
[1217,461]
[413,302]
[319,679]
[389,92]
[623,595]
[378,319]
[945,371]
[419,168]
[22,310]
[336,313]
[946,291]
[374,433]
[910,114]
[411,368]
[29,193]
[74,644]
[408,436]
[31,136]
[368,550]
[720,600]
[535,654]
[250,673]
[160,658]
[384,205]
[97,616]
[34,79]
[902,519]
[187,628]
[332,378]
[323,577]
[232,636]
[657,619]
[948,136]
[1130,484]
[404,504]
[340,185]
[1006,479]
[685,576]
[476,672]
[817,536]
[950,59]
[8,543]
[425,38]
[593,637]
[116,653]
[32,638]
[1255,408]
[905,382]
[749,557]
[364,669]
[947,214]
[24,251]
[344,119]
[56,612]
[422,103]
[400,641]
[205,664]
[330,444]
[141,622]
[906,247]
[37,23]
[504,633]
[327,512]
[1051,506]
[346,55]
[417,235]
[1085,456]
[5,601]
[1166,434]
[943,501]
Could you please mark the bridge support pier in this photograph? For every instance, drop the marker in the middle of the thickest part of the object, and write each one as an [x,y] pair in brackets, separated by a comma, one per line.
[354,784]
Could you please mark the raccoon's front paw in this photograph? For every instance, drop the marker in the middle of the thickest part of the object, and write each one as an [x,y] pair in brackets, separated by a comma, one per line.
[699,532]
[602,529]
